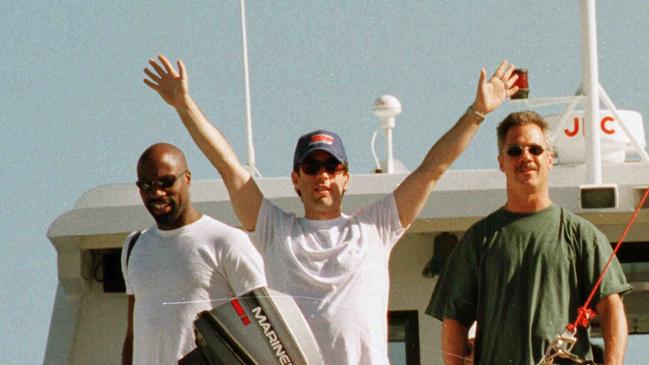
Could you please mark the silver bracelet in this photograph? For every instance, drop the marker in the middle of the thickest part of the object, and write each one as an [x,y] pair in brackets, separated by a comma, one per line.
[475,113]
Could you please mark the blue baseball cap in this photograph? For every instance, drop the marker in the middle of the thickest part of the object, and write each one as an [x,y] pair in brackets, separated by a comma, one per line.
[319,140]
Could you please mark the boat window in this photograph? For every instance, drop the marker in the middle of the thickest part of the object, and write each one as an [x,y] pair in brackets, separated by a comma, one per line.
[403,337]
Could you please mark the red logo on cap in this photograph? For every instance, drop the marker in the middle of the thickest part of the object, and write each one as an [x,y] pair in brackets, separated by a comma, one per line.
[321,138]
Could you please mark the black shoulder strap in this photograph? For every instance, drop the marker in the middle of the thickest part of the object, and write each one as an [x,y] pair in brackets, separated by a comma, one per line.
[131,244]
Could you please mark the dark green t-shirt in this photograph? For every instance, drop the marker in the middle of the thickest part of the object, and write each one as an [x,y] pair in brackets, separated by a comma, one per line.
[522,278]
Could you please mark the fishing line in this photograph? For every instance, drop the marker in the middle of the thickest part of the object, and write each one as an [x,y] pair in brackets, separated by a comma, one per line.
[268,296]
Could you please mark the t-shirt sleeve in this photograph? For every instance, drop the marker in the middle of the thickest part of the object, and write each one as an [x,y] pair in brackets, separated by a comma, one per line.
[129,288]
[455,295]
[242,265]
[385,216]
[270,221]
[596,252]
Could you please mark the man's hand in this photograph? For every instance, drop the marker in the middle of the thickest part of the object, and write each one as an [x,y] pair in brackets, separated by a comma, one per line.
[171,85]
[491,93]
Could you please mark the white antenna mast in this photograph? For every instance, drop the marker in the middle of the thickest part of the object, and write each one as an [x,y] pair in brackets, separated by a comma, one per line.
[244,41]
[593,90]
[386,108]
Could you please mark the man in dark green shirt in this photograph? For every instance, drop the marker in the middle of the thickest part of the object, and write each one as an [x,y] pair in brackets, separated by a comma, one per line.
[523,271]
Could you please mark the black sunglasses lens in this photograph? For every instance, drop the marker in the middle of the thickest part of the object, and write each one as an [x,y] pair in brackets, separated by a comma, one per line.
[515,151]
[331,166]
[167,182]
[143,185]
[536,150]
[310,167]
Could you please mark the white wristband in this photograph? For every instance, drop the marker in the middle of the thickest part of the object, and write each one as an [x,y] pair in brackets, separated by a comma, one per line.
[476,114]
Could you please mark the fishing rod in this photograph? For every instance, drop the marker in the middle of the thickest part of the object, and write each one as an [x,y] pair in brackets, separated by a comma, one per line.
[563,343]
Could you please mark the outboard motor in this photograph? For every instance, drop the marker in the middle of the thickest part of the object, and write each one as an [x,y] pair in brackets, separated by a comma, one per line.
[262,327]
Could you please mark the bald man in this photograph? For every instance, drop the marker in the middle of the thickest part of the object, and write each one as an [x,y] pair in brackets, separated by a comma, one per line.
[184,264]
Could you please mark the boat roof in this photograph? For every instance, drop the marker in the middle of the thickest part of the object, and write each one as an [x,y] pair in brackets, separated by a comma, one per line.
[460,198]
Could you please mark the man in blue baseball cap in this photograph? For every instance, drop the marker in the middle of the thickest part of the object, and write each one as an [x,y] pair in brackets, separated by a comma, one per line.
[334,264]
[315,151]
[319,140]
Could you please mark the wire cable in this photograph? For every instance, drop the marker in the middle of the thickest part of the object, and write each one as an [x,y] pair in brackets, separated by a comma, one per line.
[376,159]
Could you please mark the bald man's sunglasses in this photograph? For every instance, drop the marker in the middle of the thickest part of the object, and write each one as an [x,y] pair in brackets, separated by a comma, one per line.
[163,183]
[516,150]
[331,166]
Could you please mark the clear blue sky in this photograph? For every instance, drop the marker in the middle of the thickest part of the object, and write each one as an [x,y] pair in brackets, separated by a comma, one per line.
[75,113]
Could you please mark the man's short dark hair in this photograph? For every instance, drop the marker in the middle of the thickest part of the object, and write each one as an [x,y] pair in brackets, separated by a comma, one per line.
[522,118]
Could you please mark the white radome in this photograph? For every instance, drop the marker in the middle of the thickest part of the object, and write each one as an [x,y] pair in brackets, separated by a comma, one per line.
[387,106]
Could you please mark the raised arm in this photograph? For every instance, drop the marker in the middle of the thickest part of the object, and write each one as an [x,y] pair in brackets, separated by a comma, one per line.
[173,87]
[412,193]
[614,328]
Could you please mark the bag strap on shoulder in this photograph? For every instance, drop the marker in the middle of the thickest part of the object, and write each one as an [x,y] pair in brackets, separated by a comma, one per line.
[131,244]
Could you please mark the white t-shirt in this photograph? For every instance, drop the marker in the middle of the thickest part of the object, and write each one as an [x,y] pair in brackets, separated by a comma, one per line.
[337,272]
[176,274]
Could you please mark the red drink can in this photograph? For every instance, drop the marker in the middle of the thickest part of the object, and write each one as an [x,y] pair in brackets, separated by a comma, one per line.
[521,82]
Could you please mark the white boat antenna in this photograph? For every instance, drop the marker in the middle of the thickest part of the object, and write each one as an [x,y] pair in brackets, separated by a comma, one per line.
[386,108]
[246,79]
[591,90]
[594,92]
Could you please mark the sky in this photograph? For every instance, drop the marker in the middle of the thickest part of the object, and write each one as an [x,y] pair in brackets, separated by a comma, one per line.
[76,114]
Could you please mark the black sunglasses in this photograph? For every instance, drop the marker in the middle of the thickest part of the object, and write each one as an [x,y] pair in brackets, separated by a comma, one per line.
[516,150]
[163,183]
[331,166]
